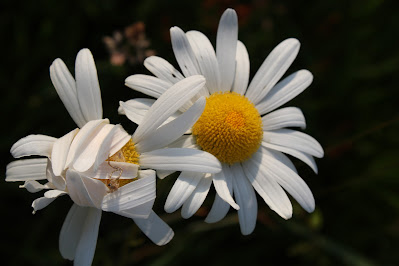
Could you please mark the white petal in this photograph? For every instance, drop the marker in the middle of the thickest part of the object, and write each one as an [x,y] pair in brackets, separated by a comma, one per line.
[220,207]
[119,139]
[33,186]
[282,158]
[226,47]
[71,231]
[180,159]
[90,149]
[272,69]
[298,154]
[163,173]
[219,210]
[194,202]
[183,52]
[289,180]
[24,170]
[135,109]
[171,131]
[267,187]
[149,85]
[206,58]
[155,229]
[185,141]
[57,181]
[182,189]
[284,91]
[60,151]
[285,117]
[171,101]
[85,191]
[88,239]
[241,77]
[33,145]
[129,170]
[142,211]
[131,195]
[83,138]
[87,87]
[54,193]
[295,140]
[223,185]
[65,86]
[246,199]
[162,69]
[41,203]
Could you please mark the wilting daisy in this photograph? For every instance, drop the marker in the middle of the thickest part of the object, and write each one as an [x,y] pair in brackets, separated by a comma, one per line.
[239,125]
[99,165]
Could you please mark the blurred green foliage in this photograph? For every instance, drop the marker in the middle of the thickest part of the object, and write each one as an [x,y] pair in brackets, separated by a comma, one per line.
[351,108]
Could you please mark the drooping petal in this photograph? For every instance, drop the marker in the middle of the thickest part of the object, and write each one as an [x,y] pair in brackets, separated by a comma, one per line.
[88,240]
[83,138]
[60,151]
[33,145]
[226,48]
[289,180]
[162,69]
[182,189]
[33,186]
[85,191]
[87,87]
[272,69]
[28,169]
[184,53]
[304,157]
[180,159]
[171,101]
[206,58]
[285,117]
[142,211]
[220,207]
[171,131]
[245,198]
[295,140]
[65,86]
[267,187]
[241,77]
[223,185]
[131,195]
[149,85]
[155,229]
[71,231]
[49,196]
[194,202]
[285,90]
[119,139]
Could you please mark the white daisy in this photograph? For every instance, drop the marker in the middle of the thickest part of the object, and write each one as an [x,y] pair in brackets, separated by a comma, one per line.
[239,125]
[100,165]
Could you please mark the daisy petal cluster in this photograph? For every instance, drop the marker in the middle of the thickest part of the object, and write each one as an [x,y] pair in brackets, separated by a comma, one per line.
[241,124]
[103,168]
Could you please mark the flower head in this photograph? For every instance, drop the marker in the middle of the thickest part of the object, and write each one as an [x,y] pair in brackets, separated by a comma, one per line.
[100,166]
[240,124]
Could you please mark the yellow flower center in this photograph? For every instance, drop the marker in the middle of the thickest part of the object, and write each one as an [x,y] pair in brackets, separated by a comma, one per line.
[127,154]
[230,127]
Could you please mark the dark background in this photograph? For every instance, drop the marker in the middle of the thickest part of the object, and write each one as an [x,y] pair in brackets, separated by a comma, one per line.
[351,47]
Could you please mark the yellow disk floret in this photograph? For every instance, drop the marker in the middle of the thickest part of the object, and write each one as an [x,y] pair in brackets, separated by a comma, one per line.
[127,154]
[230,127]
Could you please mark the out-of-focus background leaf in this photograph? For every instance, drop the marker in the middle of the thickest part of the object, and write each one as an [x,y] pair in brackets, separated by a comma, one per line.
[351,47]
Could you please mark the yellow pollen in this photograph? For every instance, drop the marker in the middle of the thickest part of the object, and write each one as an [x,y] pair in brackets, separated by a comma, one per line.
[127,154]
[230,127]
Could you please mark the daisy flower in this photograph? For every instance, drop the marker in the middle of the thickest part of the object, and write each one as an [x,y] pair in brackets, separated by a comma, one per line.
[100,166]
[240,124]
